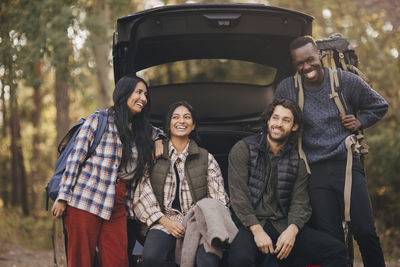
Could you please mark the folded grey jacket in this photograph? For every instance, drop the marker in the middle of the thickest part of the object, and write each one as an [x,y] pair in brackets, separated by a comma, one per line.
[208,223]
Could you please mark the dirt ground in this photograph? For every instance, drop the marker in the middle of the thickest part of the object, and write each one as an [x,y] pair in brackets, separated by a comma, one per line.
[15,256]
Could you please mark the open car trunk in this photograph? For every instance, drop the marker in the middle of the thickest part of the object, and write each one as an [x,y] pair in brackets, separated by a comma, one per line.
[227,111]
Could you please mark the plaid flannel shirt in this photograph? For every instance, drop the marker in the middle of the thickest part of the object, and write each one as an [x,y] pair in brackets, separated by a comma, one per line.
[148,210]
[91,187]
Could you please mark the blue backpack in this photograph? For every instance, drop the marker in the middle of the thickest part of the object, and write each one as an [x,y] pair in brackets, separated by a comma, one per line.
[65,147]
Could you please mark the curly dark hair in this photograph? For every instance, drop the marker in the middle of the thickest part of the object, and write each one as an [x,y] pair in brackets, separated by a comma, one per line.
[293,107]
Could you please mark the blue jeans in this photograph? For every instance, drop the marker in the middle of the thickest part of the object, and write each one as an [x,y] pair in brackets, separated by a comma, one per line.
[159,250]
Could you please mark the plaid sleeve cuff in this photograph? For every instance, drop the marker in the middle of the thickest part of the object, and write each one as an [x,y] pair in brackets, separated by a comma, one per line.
[154,218]
[63,196]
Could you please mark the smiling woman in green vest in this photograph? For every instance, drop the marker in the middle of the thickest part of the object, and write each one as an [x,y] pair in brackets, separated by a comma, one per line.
[183,175]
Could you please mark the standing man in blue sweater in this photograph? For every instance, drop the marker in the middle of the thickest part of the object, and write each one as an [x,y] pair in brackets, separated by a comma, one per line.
[324,137]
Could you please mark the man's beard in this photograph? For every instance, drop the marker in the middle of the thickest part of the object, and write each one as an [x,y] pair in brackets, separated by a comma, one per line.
[280,140]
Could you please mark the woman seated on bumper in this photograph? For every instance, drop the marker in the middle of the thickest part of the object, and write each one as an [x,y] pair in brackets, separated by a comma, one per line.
[184,175]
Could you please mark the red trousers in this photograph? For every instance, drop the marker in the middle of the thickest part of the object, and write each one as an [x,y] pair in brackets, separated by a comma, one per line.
[87,231]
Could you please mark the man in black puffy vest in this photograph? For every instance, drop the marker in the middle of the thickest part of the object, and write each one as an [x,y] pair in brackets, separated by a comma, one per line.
[268,184]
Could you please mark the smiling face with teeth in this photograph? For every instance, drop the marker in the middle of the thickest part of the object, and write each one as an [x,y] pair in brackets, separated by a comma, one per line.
[281,125]
[138,99]
[307,62]
[181,124]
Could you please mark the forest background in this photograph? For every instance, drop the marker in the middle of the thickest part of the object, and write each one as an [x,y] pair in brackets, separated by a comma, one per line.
[56,67]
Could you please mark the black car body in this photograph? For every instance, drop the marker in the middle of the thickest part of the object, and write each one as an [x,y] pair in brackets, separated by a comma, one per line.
[252,33]
[254,37]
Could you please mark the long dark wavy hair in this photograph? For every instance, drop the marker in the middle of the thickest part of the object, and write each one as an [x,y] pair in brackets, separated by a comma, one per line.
[140,132]
[297,116]
[193,135]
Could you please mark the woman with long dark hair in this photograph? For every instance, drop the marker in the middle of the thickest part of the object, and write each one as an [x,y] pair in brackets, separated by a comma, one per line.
[182,176]
[96,192]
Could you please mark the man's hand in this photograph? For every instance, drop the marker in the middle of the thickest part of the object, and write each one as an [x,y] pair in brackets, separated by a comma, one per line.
[58,208]
[158,148]
[174,228]
[262,239]
[350,122]
[286,241]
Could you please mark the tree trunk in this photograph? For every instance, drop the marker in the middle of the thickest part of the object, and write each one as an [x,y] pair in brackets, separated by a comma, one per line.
[101,50]
[15,177]
[103,70]
[62,103]
[6,62]
[18,175]
[36,157]
[4,158]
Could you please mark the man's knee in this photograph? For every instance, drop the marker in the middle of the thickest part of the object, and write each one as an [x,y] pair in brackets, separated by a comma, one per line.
[364,233]
[335,252]
[339,249]
[243,250]
[204,259]
[237,259]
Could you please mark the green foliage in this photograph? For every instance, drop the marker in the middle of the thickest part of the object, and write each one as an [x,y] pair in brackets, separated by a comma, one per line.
[209,70]
[32,231]
[383,173]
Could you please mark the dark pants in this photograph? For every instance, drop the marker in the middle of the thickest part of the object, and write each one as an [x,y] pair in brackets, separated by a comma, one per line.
[159,250]
[310,244]
[326,193]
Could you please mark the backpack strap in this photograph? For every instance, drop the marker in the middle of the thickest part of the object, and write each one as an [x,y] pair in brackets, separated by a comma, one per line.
[298,85]
[342,61]
[335,77]
[328,58]
[98,134]
[350,142]
[357,71]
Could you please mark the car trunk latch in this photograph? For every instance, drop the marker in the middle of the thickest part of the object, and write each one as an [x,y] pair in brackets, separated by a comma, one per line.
[223,20]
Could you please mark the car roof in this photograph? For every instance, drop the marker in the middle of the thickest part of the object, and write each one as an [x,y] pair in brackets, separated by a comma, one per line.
[250,32]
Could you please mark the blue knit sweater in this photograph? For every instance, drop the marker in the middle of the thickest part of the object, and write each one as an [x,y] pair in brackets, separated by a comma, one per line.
[324,135]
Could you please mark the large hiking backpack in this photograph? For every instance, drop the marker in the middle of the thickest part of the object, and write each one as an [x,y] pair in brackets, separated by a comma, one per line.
[65,147]
[337,52]
[337,55]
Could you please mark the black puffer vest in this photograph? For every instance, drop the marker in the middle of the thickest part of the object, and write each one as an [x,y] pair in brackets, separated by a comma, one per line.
[260,168]
[196,167]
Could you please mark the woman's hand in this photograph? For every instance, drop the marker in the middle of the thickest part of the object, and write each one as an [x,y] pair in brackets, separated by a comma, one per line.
[58,208]
[175,228]
[158,148]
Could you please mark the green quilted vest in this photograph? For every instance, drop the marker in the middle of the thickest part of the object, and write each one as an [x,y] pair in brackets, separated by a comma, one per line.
[196,167]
